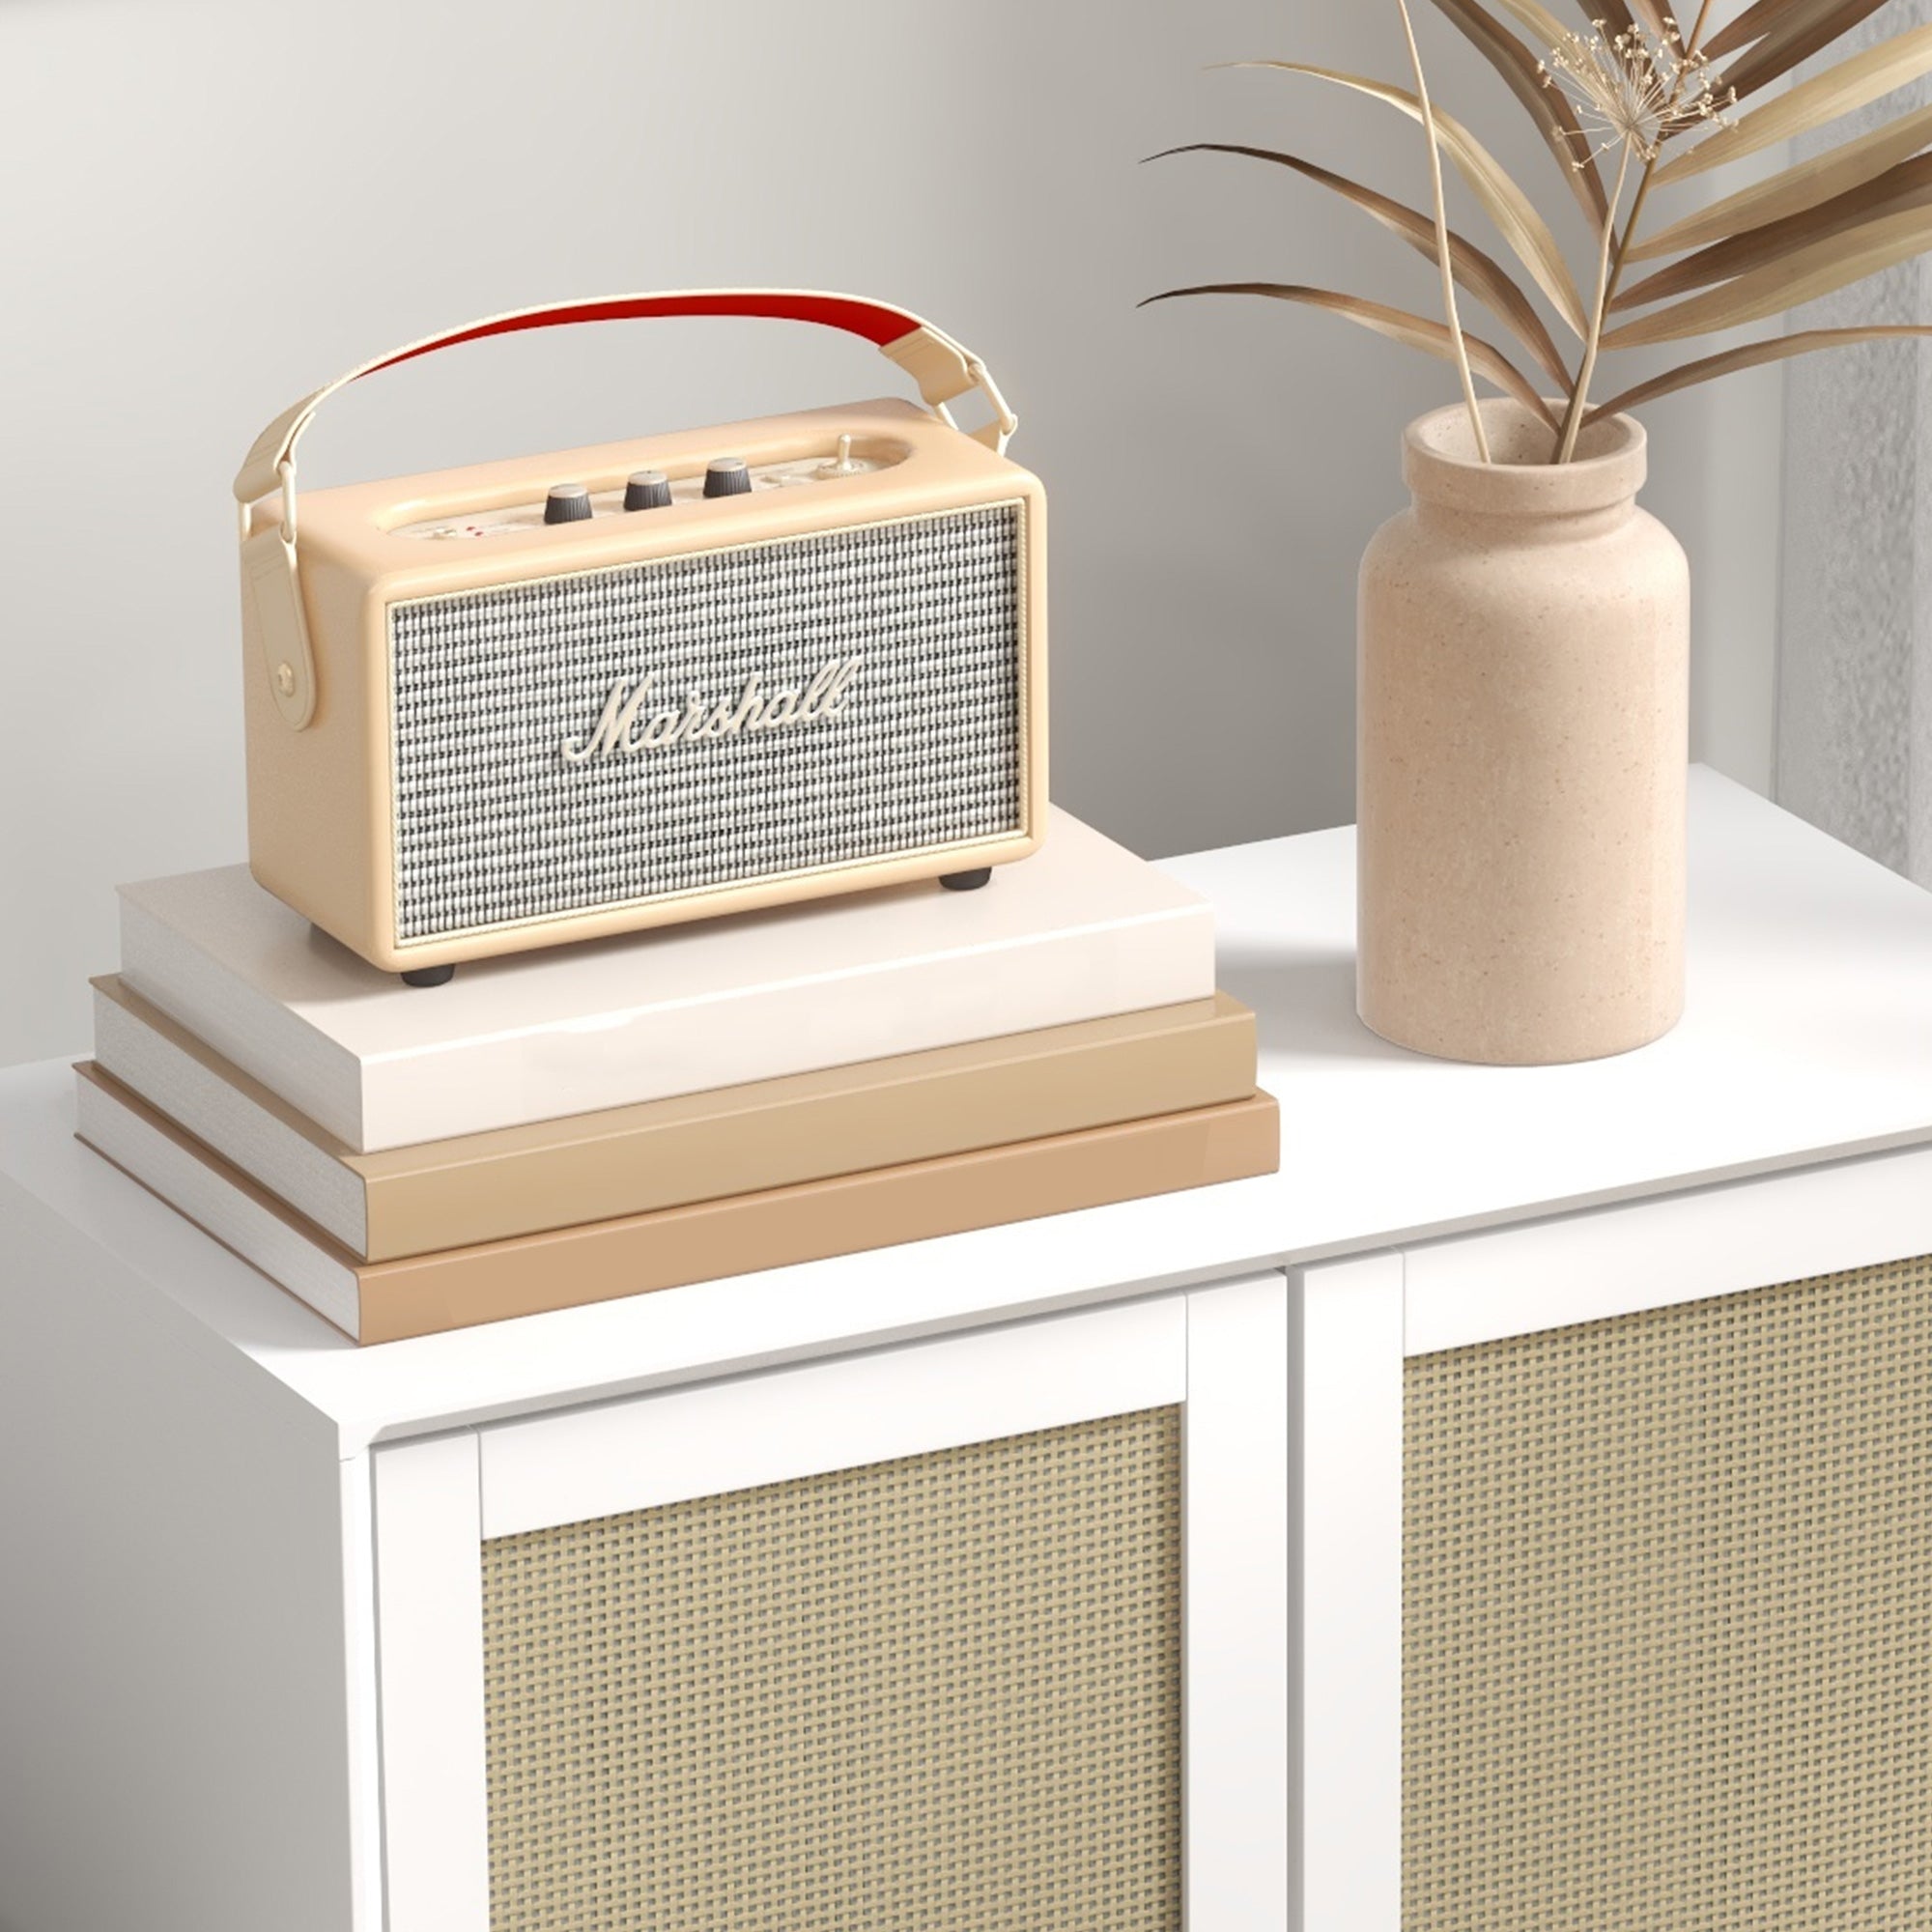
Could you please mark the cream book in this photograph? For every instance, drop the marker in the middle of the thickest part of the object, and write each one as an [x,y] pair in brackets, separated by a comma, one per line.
[1081,930]
[459,1287]
[667,1153]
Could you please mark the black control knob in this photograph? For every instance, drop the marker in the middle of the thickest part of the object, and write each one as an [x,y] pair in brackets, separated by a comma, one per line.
[727,476]
[567,503]
[647,490]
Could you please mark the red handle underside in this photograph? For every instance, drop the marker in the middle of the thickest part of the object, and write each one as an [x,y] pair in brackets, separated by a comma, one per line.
[872,321]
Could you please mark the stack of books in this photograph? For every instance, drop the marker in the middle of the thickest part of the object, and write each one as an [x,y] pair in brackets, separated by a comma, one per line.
[672,1106]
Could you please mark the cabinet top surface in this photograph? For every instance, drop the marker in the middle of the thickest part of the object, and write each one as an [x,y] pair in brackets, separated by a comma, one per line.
[1807,1036]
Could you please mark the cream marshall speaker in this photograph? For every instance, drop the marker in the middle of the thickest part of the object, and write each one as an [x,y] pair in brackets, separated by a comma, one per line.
[578,693]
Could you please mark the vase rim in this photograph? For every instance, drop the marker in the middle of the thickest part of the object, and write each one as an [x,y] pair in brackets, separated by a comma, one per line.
[1441,467]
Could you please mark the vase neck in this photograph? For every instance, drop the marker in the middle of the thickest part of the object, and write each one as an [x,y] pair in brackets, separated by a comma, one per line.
[1521,528]
[1519,495]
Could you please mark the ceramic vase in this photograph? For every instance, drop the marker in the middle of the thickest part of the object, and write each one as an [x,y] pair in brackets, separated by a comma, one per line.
[1522,749]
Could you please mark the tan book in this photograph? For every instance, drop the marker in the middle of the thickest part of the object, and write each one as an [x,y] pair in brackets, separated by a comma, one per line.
[493,1281]
[667,1154]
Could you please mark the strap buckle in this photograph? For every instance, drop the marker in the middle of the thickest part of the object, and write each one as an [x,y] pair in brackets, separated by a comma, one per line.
[1004,422]
[246,511]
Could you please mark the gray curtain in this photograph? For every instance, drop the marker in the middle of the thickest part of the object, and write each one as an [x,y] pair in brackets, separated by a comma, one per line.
[1853,750]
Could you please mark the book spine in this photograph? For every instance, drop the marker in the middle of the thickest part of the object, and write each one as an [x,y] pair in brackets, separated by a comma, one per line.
[909,1113]
[674,1247]
[786,1226]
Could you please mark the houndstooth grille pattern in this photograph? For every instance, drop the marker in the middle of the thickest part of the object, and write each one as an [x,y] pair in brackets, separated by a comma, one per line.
[493,827]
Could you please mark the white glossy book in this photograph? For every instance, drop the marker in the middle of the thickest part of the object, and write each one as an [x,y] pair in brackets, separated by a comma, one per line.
[1081,930]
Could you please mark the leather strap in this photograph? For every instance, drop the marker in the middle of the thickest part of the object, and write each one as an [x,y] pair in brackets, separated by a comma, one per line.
[941,367]
[270,571]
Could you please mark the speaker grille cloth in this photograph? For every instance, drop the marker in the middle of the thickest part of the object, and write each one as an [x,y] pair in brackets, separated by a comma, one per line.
[1667,1619]
[492,826]
[938,1694]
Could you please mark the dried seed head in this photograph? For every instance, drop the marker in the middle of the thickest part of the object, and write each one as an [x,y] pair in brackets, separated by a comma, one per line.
[1633,88]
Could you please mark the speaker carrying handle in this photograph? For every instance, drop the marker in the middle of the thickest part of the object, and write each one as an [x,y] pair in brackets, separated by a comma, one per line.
[942,367]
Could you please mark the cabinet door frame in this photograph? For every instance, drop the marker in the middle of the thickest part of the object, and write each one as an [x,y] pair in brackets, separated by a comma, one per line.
[1220,1352]
[1353,1324]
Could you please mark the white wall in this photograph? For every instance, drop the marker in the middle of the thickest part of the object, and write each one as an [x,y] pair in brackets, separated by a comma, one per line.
[1855,668]
[214,206]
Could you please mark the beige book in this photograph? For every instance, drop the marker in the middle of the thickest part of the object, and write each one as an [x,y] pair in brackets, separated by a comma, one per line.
[523,1180]
[493,1281]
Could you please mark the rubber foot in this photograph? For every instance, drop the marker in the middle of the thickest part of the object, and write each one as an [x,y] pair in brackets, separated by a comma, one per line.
[430,976]
[966,882]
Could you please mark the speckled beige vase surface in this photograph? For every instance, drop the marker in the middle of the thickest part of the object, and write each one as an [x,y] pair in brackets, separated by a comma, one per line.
[1522,749]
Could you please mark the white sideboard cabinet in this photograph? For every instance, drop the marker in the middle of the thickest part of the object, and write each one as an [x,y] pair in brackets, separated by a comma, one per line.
[1514,1515]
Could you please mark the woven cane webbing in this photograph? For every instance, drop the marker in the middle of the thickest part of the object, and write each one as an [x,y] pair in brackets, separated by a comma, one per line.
[937,1694]
[1667,1619]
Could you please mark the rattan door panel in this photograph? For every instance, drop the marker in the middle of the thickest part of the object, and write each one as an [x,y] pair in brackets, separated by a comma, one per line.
[941,1692]
[889,1638]
[1667,1619]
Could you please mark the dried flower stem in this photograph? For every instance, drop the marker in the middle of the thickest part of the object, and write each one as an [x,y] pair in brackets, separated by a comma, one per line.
[1442,237]
[1572,416]
[1572,419]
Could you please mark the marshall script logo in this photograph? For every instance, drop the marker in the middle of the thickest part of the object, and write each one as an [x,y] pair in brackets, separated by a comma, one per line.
[627,726]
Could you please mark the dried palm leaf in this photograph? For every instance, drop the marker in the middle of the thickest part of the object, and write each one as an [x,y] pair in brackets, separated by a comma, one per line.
[1781,285]
[1398,324]
[1766,19]
[1811,103]
[1612,13]
[1796,189]
[1506,205]
[1752,24]
[1552,114]
[1802,29]
[1777,348]
[1536,20]
[1481,274]
[1619,15]
[1906,186]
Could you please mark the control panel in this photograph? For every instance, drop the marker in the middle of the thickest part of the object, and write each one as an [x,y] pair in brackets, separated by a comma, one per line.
[645,490]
